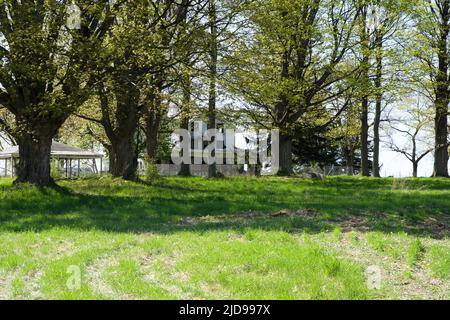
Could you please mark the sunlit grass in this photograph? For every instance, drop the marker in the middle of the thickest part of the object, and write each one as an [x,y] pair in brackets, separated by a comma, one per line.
[250,238]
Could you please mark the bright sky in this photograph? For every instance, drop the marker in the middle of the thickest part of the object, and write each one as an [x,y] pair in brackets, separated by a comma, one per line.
[395,164]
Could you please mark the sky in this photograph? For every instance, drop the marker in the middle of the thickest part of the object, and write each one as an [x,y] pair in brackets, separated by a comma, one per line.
[396,164]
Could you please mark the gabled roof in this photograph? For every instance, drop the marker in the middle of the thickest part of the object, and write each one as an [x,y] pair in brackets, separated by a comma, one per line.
[59,150]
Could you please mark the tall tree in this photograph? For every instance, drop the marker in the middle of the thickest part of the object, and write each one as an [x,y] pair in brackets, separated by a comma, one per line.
[431,48]
[137,55]
[43,62]
[387,18]
[293,62]
[364,38]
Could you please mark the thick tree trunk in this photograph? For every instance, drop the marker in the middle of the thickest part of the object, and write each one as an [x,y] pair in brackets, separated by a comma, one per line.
[34,163]
[415,168]
[442,98]
[121,128]
[441,143]
[285,155]
[123,153]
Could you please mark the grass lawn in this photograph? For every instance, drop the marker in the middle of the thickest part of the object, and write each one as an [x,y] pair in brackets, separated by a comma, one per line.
[193,238]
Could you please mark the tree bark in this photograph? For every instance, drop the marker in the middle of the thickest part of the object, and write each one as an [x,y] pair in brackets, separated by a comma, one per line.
[123,155]
[185,168]
[124,162]
[441,142]
[285,155]
[213,53]
[153,117]
[378,102]
[365,84]
[364,138]
[152,140]
[442,98]
[415,168]
[34,163]
[349,156]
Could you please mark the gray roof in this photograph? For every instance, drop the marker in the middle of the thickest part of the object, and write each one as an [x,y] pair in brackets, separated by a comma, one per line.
[59,150]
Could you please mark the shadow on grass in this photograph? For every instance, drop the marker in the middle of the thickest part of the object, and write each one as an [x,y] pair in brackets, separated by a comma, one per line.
[419,207]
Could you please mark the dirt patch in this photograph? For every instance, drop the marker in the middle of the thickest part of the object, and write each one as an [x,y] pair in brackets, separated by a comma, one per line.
[32,284]
[94,276]
[236,237]
[248,215]
[305,213]
[6,280]
[439,227]
[355,223]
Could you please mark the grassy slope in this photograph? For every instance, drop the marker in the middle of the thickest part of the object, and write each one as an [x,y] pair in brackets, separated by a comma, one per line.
[226,238]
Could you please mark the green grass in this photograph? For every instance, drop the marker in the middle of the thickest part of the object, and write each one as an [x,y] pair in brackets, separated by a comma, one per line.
[249,238]
[440,261]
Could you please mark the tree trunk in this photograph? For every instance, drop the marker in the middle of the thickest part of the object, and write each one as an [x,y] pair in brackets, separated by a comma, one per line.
[415,167]
[376,141]
[365,86]
[441,143]
[442,98]
[123,153]
[364,138]
[120,128]
[378,98]
[151,142]
[213,53]
[349,156]
[285,155]
[185,168]
[351,169]
[34,163]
